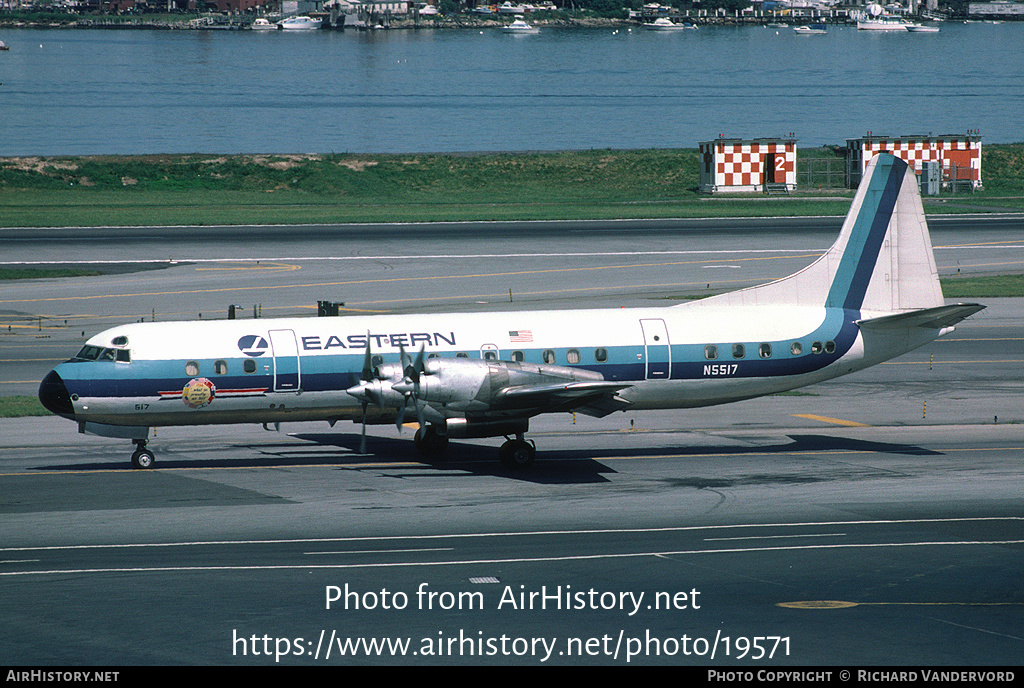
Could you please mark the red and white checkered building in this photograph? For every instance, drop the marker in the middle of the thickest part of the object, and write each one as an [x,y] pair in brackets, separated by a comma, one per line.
[735,165]
[960,154]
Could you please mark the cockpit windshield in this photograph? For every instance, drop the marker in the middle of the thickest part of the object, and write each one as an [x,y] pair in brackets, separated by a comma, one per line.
[98,353]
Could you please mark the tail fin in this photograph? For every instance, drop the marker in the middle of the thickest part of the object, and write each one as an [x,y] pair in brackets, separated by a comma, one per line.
[882,261]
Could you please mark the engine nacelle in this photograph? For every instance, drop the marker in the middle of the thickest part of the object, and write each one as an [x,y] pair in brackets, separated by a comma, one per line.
[465,428]
[474,385]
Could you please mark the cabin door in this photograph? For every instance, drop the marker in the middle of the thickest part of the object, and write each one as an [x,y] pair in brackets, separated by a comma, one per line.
[657,352]
[286,361]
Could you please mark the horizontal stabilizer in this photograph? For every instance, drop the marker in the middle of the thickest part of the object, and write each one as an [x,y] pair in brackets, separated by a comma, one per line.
[931,318]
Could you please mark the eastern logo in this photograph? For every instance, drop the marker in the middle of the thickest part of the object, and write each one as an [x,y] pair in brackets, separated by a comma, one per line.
[198,392]
[253,345]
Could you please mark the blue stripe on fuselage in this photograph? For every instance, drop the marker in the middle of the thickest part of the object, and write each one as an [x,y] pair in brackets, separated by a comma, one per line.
[142,379]
[856,267]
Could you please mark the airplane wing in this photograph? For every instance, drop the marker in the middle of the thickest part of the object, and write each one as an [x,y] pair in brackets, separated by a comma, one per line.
[593,398]
[931,318]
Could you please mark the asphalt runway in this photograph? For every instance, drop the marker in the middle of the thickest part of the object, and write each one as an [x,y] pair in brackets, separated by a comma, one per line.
[875,520]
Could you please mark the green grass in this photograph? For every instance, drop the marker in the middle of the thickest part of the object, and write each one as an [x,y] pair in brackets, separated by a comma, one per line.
[988,286]
[20,406]
[310,189]
[43,273]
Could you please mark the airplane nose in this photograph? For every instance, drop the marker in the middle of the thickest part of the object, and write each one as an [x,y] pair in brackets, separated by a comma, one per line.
[53,394]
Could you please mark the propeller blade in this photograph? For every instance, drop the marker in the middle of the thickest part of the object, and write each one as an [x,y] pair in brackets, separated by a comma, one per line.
[367,374]
[362,437]
[417,367]
[401,414]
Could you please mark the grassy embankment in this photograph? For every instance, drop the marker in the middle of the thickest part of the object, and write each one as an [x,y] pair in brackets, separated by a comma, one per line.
[299,189]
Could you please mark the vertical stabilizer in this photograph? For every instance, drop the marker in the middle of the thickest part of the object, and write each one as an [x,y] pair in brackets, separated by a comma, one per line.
[882,261]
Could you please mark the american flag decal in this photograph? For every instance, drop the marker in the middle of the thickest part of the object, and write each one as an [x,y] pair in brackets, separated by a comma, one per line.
[520,335]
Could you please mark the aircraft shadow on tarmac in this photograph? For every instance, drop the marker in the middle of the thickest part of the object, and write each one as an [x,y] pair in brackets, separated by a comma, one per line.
[556,466]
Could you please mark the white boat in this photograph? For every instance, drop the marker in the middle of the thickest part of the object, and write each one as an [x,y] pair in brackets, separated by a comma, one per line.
[300,23]
[664,24]
[922,28]
[520,26]
[509,8]
[877,20]
[262,24]
[810,29]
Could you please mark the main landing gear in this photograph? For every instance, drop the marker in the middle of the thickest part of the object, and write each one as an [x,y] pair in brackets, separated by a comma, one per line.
[517,453]
[142,458]
[514,453]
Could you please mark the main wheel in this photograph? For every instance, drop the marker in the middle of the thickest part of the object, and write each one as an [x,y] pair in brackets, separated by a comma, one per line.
[517,454]
[143,458]
[429,442]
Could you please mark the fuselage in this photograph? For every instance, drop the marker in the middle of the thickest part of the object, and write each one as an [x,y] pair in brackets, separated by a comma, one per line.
[235,371]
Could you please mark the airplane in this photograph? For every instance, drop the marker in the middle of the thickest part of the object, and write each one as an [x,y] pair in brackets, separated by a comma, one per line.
[872,296]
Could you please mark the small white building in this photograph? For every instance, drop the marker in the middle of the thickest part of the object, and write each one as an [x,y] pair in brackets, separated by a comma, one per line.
[958,154]
[732,165]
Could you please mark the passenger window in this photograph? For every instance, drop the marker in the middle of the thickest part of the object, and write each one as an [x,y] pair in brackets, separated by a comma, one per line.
[376,360]
[572,356]
[765,350]
[601,354]
[816,348]
[738,351]
[220,367]
[462,354]
[830,347]
[711,352]
[549,356]
[191,368]
[518,356]
[796,348]
[490,355]
[249,365]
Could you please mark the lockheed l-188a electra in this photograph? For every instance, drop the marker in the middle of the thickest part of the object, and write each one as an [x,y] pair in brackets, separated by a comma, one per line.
[872,296]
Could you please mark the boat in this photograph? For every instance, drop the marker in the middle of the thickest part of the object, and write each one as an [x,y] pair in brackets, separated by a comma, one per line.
[922,28]
[810,29]
[300,23]
[3,46]
[262,24]
[877,20]
[520,26]
[509,8]
[664,24]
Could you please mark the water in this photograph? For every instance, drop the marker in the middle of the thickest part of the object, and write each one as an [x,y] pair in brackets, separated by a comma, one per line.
[77,92]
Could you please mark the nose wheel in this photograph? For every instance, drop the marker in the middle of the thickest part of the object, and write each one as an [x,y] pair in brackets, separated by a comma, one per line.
[142,457]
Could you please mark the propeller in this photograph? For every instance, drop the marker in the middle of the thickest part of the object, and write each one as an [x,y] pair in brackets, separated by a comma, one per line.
[409,387]
[364,392]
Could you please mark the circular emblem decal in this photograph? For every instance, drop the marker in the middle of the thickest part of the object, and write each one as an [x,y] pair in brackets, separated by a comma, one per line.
[198,392]
[253,345]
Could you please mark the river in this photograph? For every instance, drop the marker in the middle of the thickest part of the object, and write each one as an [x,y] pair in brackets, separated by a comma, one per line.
[98,91]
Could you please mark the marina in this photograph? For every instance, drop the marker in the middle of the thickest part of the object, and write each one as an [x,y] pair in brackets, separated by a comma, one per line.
[107,91]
